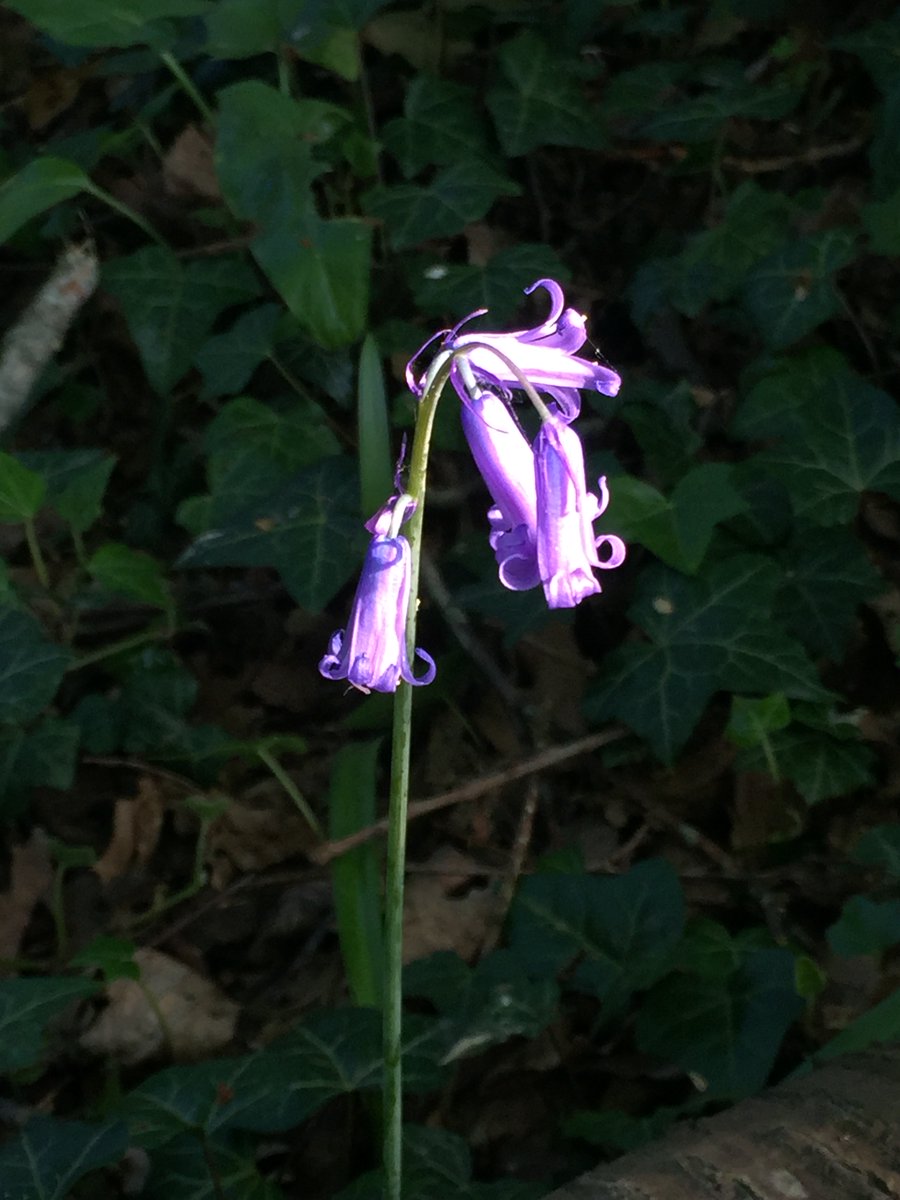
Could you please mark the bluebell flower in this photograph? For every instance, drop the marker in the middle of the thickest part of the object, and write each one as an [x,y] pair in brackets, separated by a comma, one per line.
[371,652]
[566,547]
[541,523]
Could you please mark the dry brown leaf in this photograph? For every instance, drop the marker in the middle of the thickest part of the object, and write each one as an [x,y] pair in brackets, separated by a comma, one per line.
[187,1016]
[189,168]
[137,823]
[245,838]
[435,918]
[52,92]
[31,873]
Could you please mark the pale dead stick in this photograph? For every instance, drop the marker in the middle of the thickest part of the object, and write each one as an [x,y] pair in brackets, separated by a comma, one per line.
[39,332]
[471,791]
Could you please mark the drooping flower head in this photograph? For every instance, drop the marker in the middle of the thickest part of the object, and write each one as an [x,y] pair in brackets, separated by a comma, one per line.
[566,546]
[541,520]
[371,652]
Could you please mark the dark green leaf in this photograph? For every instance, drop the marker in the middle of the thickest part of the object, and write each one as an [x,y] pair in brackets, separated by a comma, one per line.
[878,45]
[865,927]
[49,1156]
[228,361]
[711,632]
[31,668]
[46,755]
[440,125]
[679,529]
[882,221]
[541,102]
[840,440]
[105,22]
[827,576]
[727,1031]
[321,269]
[331,1054]
[752,721]
[309,530]
[882,149]
[22,490]
[27,1006]
[76,482]
[880,847]
[373,424]
[821,766]
[265,150]
[458,195]
[37,187]
[793,291]
[131,573]
[714,263]
[170,307]
[484,1005]
[622,931]
[184,1168]
[356,875]
[253,448]
[708,950]
[618,1131]
[444,289]
[880,1024]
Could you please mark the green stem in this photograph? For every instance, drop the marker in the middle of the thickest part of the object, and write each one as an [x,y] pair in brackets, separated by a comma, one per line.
[399,799]
[189,86]
[284,72]
[130,643]
[34,549]
[128,213]
[290,787]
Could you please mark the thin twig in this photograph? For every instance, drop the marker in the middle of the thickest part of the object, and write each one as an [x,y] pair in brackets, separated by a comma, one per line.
[552,757]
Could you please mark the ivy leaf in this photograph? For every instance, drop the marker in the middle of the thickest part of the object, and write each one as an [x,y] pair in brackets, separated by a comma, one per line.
[865,926]
[482,1005]
[714,264]
[170,307]
[265,179]
[308,529]
[44,756]
[331,1054]
[252,447]
[714,631]
[440,125]
[49,1156]
[105,22]
[22,490]
[878,46]
[40,185]
[131,573]
[881,219]
[541,104]
[821,765]
[880,847]
[728,1030]
[826,577]
[793,291]
[229,360]
[321,268]
[444,288]
[27,1006]
[845,441]
[621,930]
[76,482]
[458,195]
[438,1163]
[31,667]
[679,529]
[195,1170]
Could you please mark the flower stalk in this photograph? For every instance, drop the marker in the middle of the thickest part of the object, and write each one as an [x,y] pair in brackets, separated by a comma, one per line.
[395,865]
